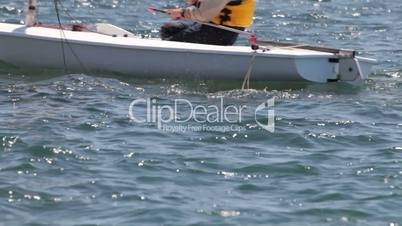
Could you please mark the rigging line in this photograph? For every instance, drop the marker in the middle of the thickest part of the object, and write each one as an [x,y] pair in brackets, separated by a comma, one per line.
[57,3]
[62,35]
[66,11]
[73,18]
[246,81]
[87,28]
[69,44]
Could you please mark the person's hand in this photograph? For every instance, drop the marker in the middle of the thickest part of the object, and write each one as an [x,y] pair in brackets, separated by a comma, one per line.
[176,14]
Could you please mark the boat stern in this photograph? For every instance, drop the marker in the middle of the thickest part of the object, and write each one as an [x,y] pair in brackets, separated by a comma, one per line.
[335,69]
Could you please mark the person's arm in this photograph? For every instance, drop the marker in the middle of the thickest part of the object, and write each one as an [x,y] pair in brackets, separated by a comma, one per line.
[207,10]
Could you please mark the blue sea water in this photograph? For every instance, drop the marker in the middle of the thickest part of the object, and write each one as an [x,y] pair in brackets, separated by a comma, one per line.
[70,155]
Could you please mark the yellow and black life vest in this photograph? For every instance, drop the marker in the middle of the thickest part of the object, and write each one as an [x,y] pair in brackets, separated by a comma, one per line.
[237,13]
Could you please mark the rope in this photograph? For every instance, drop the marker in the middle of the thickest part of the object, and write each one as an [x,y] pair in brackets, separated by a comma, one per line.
[66,11]
[63,36]
[246,81]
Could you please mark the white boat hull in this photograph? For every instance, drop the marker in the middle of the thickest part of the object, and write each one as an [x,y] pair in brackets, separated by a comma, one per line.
[86,51]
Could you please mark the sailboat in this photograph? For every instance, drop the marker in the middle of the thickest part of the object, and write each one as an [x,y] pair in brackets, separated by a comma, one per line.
[105,47]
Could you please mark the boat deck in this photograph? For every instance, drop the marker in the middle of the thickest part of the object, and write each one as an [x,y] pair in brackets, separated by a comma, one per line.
[91,38]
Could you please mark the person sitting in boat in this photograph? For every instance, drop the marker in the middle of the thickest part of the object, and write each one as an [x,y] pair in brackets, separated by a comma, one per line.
[237,14]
